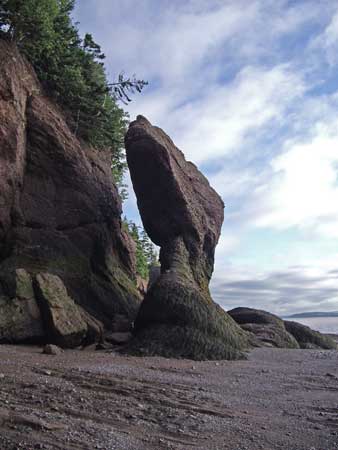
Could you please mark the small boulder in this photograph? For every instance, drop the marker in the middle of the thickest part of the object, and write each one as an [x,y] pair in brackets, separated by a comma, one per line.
[95,328]
[64,322]
[51,349]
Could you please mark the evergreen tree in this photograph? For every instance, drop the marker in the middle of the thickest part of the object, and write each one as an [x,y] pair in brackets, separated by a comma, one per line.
[72,71]
[149,249]
[141,259]
[146,254]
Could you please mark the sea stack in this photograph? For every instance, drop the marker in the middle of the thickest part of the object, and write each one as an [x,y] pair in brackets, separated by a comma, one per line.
[183,215]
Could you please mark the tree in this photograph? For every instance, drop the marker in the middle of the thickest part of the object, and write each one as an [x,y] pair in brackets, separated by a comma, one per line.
[141,259]
[72,71]
[149,249]
[146,254]
[29,21]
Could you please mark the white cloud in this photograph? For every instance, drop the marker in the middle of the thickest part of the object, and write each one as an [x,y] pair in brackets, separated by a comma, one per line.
[220,119]
[170,40]
[303,190]
[293,290]
[224,117]
[240,87]
[328,40]
[228,242]
[230,183]
[174,42]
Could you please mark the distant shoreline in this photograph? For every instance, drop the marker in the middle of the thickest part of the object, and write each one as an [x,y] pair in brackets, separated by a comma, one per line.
[311,314]
[324,324]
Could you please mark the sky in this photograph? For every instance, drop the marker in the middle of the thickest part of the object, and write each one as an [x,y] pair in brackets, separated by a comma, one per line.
[248,90]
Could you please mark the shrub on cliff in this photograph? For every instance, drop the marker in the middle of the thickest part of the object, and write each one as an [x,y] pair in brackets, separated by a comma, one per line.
[72,71]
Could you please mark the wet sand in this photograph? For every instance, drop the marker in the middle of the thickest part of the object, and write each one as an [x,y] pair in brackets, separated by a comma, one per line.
[277,399]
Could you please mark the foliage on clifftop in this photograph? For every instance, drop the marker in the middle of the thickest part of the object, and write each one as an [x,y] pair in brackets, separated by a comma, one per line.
[72,71]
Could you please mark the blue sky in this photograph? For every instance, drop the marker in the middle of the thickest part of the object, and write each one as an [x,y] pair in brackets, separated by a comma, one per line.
[248,90]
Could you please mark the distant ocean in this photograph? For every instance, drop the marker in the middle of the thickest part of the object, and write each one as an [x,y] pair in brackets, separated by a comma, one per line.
[323,324]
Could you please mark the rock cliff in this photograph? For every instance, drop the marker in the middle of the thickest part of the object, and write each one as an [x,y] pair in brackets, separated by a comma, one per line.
[183,215]
[60,226]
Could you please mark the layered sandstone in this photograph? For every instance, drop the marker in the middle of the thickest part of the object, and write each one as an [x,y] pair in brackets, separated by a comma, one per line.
[60,213]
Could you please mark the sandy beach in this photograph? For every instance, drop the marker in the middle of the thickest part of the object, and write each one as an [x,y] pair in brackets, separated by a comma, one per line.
[277,399]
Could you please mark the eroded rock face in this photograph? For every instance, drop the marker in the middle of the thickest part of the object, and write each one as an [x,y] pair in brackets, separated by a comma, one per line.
[183,215]
[59,210]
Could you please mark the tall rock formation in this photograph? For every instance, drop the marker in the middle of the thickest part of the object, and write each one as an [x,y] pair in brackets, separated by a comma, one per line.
[183,215]
[59,217]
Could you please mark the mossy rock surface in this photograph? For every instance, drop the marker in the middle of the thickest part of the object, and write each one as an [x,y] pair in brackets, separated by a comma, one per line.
[187,325]
[64,324]
[172,341]
[20,318]
[308,338]
[269,336]
[258,316]
[266,329]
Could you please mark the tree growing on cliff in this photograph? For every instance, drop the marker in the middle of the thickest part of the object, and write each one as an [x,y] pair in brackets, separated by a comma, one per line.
[146,253]
[72,71]
[141,260]
[148,249]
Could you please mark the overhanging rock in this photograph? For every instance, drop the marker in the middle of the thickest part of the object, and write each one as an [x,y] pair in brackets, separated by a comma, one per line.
[182,214]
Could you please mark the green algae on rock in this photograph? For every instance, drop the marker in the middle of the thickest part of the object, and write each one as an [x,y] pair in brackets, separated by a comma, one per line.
[266,329]
[308,338]
[63,321]
[182,214]
[20,318]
